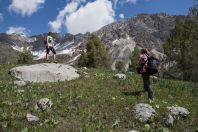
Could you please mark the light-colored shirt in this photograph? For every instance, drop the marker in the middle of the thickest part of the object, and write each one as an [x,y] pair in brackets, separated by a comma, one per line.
[50,41]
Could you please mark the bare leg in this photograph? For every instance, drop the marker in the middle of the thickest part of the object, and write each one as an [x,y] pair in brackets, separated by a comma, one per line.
[47,57]
[54,57]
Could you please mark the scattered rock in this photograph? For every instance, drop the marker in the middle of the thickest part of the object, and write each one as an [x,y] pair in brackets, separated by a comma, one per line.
[143,112]
[43,104]
[132,131]
[84,68]
[169,120]
[86,75]
[177,112]
[120,76]
[19,83]
[45,72]
[154,78]
[31,118]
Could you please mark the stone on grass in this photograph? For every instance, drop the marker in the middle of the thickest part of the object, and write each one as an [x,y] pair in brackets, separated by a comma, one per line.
[45,72]
[169,120]
[178,112]
[43,104]
[120,76]
[31,118]
[132,131]
[20,83]
[84,68]
[154,78]
[175,113]
[86,75]
[143,112]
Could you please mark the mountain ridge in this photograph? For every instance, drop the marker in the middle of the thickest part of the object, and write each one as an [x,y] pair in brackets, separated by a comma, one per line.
[144,31]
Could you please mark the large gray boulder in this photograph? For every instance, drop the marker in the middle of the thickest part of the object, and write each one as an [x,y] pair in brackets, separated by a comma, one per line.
[143,112]
[45,72]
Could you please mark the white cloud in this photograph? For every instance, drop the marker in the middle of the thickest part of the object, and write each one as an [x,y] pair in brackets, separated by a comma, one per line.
[17,30]
[131,1]
[1,17]
[121,16]
[69,8]
[91,17]
[116,2]
[80,19]
[25,7]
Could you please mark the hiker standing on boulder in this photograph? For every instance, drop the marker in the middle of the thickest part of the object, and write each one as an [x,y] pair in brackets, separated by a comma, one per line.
[49,42]
[143,62]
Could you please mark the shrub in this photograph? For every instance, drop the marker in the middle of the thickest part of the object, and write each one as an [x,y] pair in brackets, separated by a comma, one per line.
[25,57]
[120,66]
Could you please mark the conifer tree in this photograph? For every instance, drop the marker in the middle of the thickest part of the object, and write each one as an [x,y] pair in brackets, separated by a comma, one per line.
[82,62]
[96,54]
[134,59]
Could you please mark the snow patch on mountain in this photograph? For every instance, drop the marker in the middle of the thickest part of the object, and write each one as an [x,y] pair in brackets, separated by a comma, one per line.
[17,48]
[68,48]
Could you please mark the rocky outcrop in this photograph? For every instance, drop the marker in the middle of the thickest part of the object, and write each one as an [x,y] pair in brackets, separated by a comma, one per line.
[45,72]
[144,30]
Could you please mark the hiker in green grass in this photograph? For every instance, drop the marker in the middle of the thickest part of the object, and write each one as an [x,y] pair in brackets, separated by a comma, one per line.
[143,62]
[49,42]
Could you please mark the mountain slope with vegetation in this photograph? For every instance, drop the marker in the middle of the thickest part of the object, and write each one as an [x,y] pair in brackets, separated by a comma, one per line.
[182,46]
[94,102]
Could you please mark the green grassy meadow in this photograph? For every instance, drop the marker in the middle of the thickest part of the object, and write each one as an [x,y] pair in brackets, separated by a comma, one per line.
[97,103]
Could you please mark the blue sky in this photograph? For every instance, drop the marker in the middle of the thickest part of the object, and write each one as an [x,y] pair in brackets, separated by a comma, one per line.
[77,16]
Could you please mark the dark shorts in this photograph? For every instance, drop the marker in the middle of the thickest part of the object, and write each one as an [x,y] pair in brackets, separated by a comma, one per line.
[50,48]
